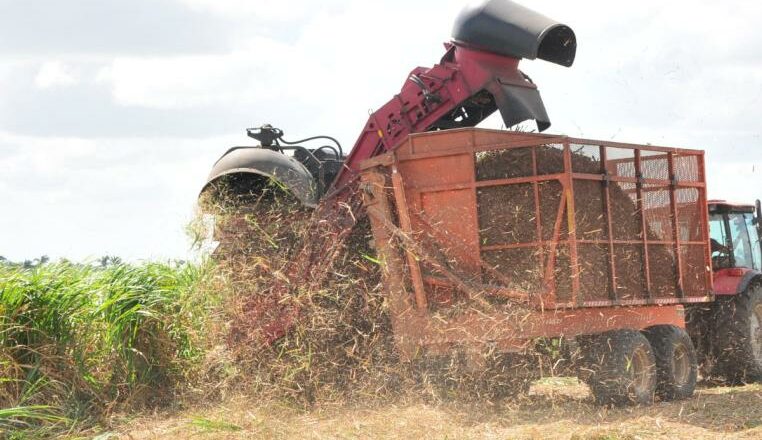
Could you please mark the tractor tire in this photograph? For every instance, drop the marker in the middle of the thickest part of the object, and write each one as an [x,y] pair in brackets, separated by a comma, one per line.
[676,364]
[620,368]
[699,323]
[738,330]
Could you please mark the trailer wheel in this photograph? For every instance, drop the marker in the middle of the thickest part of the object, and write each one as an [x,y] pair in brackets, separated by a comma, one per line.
[676,365]
[739,336]
[621,369]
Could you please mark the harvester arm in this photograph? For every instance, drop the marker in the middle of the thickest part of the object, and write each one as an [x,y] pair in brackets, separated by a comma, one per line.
[477,75]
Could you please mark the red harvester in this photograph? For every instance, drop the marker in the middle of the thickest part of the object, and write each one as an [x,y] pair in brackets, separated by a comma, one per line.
[610,247]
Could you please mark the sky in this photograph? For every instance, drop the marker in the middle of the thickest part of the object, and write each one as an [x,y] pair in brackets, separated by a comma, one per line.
[112,112]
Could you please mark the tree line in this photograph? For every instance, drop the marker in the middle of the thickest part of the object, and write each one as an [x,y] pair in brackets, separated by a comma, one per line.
[104,261]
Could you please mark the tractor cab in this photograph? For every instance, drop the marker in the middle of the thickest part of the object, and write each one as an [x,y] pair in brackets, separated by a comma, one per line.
[734,232]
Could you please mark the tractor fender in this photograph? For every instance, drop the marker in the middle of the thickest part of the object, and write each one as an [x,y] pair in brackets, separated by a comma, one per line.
[730,282]
[267,163]
[748,278]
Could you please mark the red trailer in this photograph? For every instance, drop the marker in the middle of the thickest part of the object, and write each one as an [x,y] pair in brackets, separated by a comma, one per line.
[555,237]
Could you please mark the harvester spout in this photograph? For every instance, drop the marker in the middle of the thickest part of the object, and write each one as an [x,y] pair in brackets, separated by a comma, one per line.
[493,35]
[509,29]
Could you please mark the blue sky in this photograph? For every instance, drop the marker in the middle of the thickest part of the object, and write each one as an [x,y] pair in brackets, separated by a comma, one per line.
[112,112]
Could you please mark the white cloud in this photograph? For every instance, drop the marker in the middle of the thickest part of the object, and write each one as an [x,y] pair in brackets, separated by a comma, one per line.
[263,10]
[195,81]
[737,181]
[55,74]
[340,66]
[82,198]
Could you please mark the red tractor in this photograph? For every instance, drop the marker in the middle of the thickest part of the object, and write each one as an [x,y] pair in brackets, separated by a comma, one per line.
[602,244]
[728,331]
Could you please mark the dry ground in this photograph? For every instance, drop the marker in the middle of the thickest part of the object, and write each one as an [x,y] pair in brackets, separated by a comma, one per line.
[555,408]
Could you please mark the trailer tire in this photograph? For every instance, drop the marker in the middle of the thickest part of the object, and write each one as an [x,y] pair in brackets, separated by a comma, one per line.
[676,364]
[739,336]
[621,369]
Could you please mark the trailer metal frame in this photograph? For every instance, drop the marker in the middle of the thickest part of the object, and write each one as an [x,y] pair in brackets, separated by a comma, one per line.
[423,202]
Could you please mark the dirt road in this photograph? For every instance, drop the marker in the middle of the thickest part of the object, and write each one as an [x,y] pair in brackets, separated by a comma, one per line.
[555,408]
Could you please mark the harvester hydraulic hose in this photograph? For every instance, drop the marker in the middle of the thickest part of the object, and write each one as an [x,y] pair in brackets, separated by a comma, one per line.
[341,151]
[333,150]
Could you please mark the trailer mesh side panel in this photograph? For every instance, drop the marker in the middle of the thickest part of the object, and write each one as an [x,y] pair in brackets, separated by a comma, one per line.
[571,222]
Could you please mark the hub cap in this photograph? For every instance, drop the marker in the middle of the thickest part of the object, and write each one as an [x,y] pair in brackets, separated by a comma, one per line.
[642,374]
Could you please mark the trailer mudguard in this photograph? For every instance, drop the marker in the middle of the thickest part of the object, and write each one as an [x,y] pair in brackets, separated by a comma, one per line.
[269,164]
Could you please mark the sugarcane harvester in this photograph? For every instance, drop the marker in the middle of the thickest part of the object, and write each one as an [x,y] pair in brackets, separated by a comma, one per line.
[602,244]
[478,75]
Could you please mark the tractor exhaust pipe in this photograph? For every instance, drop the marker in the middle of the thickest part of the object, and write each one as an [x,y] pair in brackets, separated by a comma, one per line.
[507,28]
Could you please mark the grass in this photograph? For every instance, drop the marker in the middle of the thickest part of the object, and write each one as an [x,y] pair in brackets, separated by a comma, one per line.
[78,341]
[14,417]
[82,346]
[214,425]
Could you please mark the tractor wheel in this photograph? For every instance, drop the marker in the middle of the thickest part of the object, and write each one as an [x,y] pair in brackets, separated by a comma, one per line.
[699,323]
[676,365]
[739,336]
[620,368]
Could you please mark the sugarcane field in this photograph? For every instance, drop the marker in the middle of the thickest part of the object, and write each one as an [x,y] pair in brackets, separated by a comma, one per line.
[550,228]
